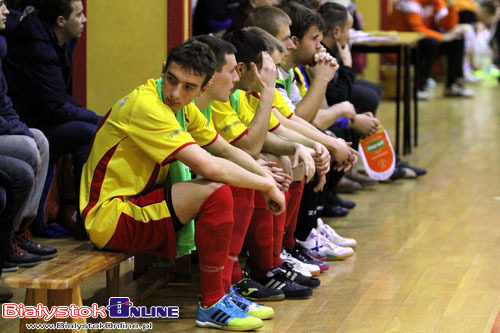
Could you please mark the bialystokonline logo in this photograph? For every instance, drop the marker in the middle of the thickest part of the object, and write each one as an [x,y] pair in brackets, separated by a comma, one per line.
[118,307]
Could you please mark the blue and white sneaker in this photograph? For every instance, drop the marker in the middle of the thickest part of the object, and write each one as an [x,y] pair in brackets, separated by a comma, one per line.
[226,315]
[253,309]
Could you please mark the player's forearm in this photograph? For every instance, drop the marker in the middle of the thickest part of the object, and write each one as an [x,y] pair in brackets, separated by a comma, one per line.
[226,171]
[312,101]
[294,136]
[244,160]
[278,146]
[258,126]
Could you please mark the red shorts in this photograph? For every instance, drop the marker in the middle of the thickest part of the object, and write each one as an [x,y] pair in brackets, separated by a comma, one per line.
[152,237]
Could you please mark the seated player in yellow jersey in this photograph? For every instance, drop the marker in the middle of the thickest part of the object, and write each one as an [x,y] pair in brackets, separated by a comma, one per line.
[125,202]
[236,121]
[302,43]
[343,155]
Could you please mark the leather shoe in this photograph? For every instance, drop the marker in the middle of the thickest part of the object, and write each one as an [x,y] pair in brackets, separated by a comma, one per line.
[334,211]
[346,185]
[417,170]
[356,176]
[338,201]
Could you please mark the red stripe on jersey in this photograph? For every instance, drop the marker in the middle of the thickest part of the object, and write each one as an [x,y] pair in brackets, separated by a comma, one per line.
[275,127]
[97,180]
[239,137]
[152,198]
[213,140]
[93,138]
[166,160]
[152,179]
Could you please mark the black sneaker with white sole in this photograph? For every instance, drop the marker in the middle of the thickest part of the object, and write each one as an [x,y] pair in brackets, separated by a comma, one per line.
[277,279]
[254,291]
[295,276]
[302,254]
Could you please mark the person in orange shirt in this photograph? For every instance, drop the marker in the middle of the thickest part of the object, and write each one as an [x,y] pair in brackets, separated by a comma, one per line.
[437,19]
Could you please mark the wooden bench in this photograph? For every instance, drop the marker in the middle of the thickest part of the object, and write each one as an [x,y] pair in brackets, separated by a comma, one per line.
[57,281]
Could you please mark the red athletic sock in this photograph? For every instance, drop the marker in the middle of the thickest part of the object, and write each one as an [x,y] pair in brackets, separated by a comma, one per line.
[260,238]
[212,234]
[278,231]
[296,190]
[242,212]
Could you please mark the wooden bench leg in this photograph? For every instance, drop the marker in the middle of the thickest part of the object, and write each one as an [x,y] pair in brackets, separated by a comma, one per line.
[113,281]
[52,298]
[142,262]
[66,297]
[32,298]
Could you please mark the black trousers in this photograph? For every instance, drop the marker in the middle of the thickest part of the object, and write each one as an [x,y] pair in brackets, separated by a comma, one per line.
[429,49]
[365,96]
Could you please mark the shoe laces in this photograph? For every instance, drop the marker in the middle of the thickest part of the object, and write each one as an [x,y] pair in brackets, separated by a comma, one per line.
[16,248]
[327,243]
[326,231]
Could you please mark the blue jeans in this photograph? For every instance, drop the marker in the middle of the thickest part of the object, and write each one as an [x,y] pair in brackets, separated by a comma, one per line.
[26,161]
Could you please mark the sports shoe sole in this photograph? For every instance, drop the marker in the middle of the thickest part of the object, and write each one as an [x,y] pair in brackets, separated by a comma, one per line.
[10,269]
[228,328]
[333,258]
[267,299]
[48,256]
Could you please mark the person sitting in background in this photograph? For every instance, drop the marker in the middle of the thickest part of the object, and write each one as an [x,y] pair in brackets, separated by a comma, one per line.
[246,7]
[38,69]
[430,17]
[25,153]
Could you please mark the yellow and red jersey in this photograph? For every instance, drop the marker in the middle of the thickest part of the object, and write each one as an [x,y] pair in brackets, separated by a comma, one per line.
[130,155]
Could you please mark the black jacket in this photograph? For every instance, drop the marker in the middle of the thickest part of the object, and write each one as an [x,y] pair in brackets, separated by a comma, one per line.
[9,120]
[39,74]
[340,87]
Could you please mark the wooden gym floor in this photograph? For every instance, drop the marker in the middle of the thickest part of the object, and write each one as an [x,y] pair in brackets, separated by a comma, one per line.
[428,258]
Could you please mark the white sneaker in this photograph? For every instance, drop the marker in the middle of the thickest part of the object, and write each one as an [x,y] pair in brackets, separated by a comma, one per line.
[333,251]
[423,95]
[430,84]
[312,243]
[328,232]
[299,266]
[322,248]
[456,90]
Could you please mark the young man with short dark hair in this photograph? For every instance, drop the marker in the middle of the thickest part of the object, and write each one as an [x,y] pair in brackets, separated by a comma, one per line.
[125,202]
[38,69]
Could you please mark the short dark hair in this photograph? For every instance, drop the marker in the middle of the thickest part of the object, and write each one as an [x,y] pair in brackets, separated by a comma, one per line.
[219,47]
[249,46]
[303,19]
[311,4]
[194,56]
[267,18]
[50,10]
[334,15]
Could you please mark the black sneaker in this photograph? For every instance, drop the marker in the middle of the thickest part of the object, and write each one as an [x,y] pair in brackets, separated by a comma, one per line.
[277,279]
[21,257]
[302,254]
[254,291]
[5,294]
[9,267]
[26,243]
[306,281]
[403,164]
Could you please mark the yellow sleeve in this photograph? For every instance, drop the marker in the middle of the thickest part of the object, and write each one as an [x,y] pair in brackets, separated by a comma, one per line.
[198,126]
[248,106]
[155,130]
[227,123]
[280,105]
